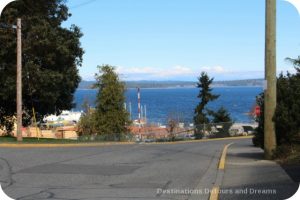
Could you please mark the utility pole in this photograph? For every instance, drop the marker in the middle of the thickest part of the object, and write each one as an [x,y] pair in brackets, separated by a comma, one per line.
[130,110]
[270,79]
[142,113]
[19,80]
[139,111]
[145,113]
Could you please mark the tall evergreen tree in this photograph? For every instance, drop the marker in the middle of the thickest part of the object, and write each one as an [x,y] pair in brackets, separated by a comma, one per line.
[50,54]
[205,96]
[111,116]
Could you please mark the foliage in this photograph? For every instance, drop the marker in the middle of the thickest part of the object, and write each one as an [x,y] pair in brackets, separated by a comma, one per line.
[287,114]
[110,115]
[87,124]
[202,113]
[205,96]
[221,115]
[50,54]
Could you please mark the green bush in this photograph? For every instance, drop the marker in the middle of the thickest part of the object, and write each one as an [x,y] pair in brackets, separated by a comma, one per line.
[287,114]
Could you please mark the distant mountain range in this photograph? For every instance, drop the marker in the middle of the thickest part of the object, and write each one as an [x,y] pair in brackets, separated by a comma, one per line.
[247,82]
[179,84]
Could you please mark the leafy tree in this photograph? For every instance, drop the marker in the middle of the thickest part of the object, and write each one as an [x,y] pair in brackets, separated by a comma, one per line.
[50,54]
[111,116]
[205,96]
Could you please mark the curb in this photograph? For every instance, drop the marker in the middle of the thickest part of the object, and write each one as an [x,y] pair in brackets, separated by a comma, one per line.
[7,145]
[223,157]
[214,195]
[36,145]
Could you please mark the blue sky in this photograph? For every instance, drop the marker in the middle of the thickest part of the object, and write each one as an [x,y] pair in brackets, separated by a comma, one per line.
[177,39]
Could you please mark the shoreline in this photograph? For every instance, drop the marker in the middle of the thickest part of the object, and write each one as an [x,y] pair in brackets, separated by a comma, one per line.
[185,87]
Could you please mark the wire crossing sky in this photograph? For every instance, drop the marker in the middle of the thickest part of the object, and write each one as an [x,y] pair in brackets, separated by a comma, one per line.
[177,39]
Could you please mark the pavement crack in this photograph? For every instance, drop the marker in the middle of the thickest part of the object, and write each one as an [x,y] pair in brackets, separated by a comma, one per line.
[44,194]
[6,179]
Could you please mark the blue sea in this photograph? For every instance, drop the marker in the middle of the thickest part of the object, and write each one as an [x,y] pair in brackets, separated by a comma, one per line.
[180,102]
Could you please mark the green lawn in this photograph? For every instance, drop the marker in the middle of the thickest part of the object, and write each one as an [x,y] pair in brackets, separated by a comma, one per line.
[8,139]
[83,139]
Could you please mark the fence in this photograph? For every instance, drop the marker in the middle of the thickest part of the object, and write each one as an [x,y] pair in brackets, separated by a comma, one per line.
[182,131]
[215,130]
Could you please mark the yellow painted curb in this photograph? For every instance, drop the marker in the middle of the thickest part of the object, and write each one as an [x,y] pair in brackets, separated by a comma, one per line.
[214,194]
[223,157]
[7,145]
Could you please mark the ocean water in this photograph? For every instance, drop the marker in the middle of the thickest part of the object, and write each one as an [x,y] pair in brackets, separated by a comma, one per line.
[180,102]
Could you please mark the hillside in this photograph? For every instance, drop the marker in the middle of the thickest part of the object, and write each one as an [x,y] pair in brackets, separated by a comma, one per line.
[179,84]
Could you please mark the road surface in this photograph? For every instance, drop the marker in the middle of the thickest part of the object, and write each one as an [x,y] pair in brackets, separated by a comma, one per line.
[138,171]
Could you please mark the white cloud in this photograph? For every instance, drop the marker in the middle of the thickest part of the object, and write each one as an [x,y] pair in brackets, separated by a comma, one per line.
[184,73]
[175,71]
[180,72]
[153,73]
[215,69]
[135,70]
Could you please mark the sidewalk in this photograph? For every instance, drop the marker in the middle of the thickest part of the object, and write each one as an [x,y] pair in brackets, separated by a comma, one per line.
[248,176]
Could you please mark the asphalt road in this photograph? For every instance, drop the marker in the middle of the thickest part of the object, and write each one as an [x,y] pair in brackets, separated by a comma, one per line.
[110,172]
[139,171]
